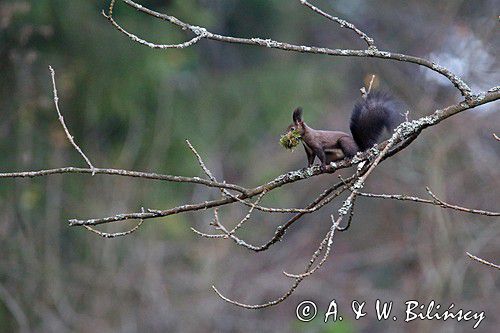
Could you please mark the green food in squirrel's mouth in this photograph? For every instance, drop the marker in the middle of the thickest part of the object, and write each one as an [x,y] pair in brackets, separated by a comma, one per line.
[290,140]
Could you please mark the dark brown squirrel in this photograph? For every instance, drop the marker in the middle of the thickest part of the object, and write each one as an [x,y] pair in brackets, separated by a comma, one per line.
[368,119]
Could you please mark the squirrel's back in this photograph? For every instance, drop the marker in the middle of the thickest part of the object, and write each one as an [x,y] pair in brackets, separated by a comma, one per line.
[370,116]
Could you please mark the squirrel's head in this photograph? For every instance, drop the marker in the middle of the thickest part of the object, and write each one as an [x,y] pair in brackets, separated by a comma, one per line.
[297,125]
[294,132]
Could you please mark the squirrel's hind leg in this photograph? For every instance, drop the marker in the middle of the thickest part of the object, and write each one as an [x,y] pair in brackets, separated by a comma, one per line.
[348,146]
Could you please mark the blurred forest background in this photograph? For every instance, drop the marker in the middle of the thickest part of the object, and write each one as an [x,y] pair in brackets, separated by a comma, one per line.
[132,107]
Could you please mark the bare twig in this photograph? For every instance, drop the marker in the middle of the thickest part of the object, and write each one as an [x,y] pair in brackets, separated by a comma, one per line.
[482,261]
[269,43]
[279,181]
[343,23]
[437,202]
[365,92]
[203,234]
[63,124]
[263,305]
[406,114]
[228,234]
[115,234]
[200,161]
[216,225]
[136,39]
[328,241]
[459,208]
[124,173]
[240,224]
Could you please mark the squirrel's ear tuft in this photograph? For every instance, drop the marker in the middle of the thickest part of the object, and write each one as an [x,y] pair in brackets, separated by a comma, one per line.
[297,115]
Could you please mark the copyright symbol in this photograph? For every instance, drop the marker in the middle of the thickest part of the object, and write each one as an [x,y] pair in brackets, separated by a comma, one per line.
[306,311]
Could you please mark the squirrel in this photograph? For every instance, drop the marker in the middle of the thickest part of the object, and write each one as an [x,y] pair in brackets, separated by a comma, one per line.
[368,119]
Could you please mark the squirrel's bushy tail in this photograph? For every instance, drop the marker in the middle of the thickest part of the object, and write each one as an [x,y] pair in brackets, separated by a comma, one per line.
[370,117]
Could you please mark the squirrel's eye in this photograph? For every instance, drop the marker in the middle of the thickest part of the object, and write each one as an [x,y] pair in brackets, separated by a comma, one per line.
[292,128]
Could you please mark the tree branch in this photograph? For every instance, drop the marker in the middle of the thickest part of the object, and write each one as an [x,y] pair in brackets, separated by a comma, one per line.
[269,43]
[482,261]
[343,23]
[63,124]
[436,202]
[408,132]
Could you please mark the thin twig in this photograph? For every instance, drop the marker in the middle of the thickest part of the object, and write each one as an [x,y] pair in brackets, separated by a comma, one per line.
[462,209]
[115,234]
[245,202]
[139,40]
[63,124]
[263,305]
[435,202]
[328,241]
[216,223]
[365,92]
[343,23]
[329,236]
[482,261]
[249,214]
[203,234]
[219,226]
[200,161]
[371,84]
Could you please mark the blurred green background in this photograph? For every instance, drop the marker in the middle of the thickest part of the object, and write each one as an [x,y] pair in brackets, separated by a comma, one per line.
[132,107]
